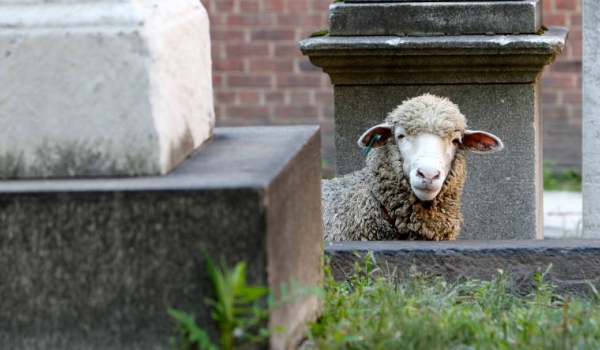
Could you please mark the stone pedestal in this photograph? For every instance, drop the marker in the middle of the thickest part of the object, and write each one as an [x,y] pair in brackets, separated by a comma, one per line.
[96,263]
[102,87]
[494,79]
[575,262]
[591,119]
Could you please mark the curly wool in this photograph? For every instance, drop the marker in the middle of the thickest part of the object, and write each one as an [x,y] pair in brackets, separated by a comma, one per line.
[377,202]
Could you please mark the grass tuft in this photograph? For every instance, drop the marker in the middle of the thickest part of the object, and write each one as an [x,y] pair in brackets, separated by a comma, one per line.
[374,310]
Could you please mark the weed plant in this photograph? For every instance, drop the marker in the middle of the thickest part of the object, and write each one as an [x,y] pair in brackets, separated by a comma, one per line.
[240,310]
[373,310]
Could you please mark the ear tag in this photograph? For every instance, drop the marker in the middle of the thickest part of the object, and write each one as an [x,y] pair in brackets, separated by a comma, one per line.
[368,148]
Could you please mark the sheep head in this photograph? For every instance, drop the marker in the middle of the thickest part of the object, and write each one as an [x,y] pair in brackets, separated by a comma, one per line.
[428,130]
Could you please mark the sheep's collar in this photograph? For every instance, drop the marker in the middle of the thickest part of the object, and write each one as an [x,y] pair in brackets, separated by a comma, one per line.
[392,222]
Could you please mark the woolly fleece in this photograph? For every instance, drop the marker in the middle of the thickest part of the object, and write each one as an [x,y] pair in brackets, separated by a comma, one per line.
[364,204]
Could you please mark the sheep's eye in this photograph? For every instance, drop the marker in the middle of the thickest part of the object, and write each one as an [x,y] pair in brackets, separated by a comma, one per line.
[456,141]
[400,136]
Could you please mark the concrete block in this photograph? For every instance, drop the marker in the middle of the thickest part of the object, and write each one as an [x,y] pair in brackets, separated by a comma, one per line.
[384,60]
[575,262]
[102,88]
[435,18]
[591,121]
[96,263]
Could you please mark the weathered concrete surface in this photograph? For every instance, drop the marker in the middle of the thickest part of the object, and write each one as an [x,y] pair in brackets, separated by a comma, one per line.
[96,263]
[434,60]
[448,18]
[591,118]
[102,88]
[575,263]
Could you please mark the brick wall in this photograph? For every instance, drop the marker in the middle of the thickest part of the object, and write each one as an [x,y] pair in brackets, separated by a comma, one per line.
[561,93]
[261,77]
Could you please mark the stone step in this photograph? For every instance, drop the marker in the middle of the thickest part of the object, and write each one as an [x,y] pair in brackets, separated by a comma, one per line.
[435,18]
[96,263]
[575,262]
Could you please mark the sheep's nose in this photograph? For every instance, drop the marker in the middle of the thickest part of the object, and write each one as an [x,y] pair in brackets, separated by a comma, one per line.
[428,174]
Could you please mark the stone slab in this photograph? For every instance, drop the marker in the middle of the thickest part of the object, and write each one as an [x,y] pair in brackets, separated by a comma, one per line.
[96,263]
[102,88]
[435,18]
[591,122]
[465,59]
[502,198]
[575,262]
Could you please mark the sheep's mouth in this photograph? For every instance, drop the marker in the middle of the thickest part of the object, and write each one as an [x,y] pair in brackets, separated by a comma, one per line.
[425,192]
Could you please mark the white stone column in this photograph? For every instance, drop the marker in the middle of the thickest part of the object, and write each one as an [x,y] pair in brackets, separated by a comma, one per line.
[102,87]
[591,119]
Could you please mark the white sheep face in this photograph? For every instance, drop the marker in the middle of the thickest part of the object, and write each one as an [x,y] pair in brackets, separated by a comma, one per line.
[427,158]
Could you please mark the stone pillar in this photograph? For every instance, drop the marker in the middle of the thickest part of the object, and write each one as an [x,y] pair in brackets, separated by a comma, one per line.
[102,87]
[379,54]
[591,119]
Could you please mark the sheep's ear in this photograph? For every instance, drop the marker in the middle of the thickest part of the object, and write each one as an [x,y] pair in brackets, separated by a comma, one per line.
[481,142]
[370,140]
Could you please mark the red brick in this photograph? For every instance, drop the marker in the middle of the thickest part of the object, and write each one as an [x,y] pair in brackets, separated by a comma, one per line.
[555,19]
[324,96]
[304,65]
[310,20]
[301,111]
[227,34]
[224,97]
[320,5]
[249,81]
[217,80]
[224,5]
[274,5]
[275,97]
[247,49]
[216,51]
[273,34]
[557,82]
[304,80]
[549,97]
[257,19]
[246,97]
[548,6]
[207,5]
[247,111]
[299,96]
[557,112]
[228,65]
[567,66]
[250,5]
[287,50]
[216,19]
[271,65]
[328,111]
[576,19]
[566,4]
[572,97]
[298,5]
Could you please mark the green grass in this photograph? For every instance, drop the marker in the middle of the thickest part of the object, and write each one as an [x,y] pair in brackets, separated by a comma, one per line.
[371,310]
[564,180]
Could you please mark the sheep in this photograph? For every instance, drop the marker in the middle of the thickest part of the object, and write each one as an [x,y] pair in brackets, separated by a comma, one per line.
[415,170]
